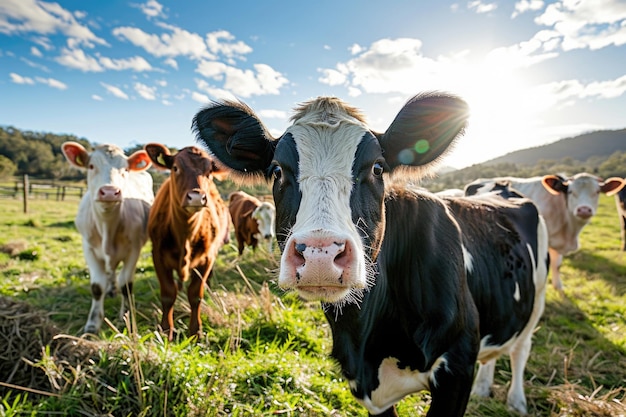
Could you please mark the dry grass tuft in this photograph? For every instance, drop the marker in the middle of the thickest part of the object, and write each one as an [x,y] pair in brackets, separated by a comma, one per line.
[25,334]
[574,400]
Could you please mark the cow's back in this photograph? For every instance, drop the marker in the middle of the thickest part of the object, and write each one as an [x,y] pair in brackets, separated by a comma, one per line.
[553,208]
[507,269]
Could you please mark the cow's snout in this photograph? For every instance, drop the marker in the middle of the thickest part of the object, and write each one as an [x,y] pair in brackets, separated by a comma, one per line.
[195,200]
[109,193]
[320,268]
[584,212]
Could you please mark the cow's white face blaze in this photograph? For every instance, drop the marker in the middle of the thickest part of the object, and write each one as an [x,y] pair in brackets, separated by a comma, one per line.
[265,216]
[323,257]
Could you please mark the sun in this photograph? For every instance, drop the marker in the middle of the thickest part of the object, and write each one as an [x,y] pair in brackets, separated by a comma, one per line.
[502,114]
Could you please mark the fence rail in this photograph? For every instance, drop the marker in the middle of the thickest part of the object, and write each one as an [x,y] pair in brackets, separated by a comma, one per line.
[41,189]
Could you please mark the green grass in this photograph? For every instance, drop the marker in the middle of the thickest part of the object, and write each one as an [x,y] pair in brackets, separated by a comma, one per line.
[263,352]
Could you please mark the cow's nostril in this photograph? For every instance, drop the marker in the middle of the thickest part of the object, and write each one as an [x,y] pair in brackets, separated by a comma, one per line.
[300,248]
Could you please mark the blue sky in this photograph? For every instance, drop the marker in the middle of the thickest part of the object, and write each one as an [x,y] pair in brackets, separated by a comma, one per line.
[133,72]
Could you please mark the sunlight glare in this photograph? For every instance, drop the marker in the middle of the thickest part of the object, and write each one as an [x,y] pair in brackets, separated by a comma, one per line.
[503,114]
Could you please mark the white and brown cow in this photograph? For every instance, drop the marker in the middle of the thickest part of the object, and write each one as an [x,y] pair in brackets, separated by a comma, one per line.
[253,220]
[566,203]
[112,218]
[390,262]
[188,224]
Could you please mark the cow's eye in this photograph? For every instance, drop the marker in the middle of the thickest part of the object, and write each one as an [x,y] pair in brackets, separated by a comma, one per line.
[90,166]
[377,169]
[277,172]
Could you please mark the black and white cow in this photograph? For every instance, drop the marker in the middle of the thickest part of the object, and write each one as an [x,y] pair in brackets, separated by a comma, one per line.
[507,244]
[387,260]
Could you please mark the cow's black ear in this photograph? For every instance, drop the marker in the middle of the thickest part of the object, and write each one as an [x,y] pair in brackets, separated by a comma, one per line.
[236,137]
[424,130]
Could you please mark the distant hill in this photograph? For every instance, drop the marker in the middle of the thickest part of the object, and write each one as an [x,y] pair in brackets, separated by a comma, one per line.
[580,148]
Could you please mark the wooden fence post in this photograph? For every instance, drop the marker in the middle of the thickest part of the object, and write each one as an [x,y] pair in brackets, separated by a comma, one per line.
[25,186]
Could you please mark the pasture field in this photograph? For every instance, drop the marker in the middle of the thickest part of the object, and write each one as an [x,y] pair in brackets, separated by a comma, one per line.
[263,352]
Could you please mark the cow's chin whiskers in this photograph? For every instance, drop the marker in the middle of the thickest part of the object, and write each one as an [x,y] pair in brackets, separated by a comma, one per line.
[193,209]
[354,297]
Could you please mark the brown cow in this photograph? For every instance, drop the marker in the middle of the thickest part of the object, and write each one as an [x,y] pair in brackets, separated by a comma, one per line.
[253,220]
[188,224]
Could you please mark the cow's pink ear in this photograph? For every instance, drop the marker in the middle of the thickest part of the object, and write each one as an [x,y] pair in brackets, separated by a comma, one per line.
[76,154]
[139,161]
[554,184]
[612,186]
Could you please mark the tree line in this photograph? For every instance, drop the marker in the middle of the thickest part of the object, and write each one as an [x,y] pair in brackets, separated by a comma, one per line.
[38,154]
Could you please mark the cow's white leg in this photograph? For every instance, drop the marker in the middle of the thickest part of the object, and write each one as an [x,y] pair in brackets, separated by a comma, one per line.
[125,280]
[516,399]
[555,266]
[98,281]
[109,265]
[484,379]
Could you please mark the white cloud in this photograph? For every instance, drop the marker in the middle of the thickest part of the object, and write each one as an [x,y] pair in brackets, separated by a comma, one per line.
[332,77]
[18,79]
[524,6]
[152,9]
[213,91]
[34,64]
[26,16]
[200,98]
[96,97]
[388,65]
[260,80]
[540,47]
[480,7]
[44,42]
[166,102]
[592,24]
[76,58]
[148,93]
[135,63]
[36,52]
[161,83]
[115,91]
[51,82]
[564,93]
[212,69]
[178,42]
[220,43]
[171,62]
[356,49]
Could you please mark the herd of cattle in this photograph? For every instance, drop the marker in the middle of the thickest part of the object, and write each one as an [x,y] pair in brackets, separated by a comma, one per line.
[417,287]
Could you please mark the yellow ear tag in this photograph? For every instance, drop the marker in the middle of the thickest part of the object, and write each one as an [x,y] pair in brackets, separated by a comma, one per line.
[161,160]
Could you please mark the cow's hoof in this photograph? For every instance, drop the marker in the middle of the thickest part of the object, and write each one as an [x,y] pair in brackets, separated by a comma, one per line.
[91,329]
